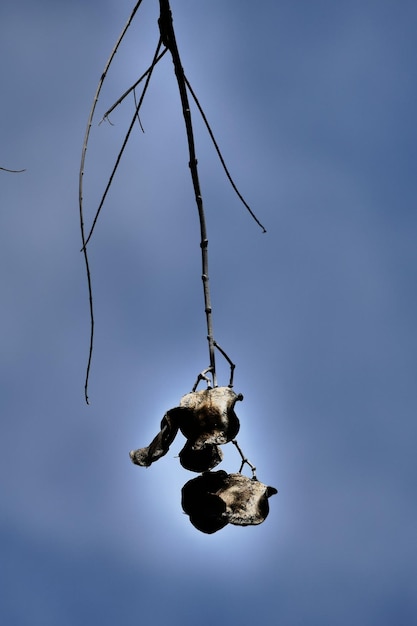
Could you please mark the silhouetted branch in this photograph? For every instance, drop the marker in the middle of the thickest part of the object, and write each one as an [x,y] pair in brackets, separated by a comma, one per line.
[122,149]
[241,198]
[168,39]
[80,191]
[5,169]
[202,376]
[166,28]
[244,459]
[137,111]
[228,359]
[133,87]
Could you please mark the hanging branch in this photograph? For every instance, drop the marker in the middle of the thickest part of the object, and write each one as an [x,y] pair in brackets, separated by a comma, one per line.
[148,75]
[167,38]
[166,28]
[80,192]
[219,154]
[90,121]
[206,122]
[85,240]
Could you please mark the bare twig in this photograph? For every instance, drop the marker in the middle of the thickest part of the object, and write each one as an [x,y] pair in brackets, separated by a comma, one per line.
[244,460]
[137,111]
[5,169]
[133,87]
[80,191]
[202,376]
[241,198]
[166,28]
[228,359]
[86,240]
[122,149]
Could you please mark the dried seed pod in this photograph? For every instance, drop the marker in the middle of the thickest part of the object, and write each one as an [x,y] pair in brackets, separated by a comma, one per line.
[211,417]
[200,501]
[246,500]
[200,460]
[206,418]
[160,444]
[215,499]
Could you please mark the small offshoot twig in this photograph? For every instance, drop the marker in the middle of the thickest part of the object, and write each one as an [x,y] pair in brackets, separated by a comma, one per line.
[244,460]
[219,154]
[133,87]
[228,359]
[206,122]
[202,376]
[6,169]
[148,75]
[80,191]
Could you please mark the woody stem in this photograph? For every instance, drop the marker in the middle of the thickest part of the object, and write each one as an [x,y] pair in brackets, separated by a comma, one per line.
[166,28]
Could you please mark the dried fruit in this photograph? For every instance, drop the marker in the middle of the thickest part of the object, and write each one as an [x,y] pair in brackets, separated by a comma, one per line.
[216,499]
[206,418]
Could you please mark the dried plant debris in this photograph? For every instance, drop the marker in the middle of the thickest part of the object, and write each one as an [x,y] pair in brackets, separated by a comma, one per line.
[216,499]
[206,418]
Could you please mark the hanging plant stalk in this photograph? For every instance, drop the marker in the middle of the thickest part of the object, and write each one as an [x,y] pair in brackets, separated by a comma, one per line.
[168,38]
[206,418]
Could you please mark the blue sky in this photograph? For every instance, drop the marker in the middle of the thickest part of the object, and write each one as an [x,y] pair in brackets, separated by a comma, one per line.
[313,105]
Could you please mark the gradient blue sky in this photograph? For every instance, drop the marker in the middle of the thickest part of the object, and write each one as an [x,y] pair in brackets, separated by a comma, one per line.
[313,104]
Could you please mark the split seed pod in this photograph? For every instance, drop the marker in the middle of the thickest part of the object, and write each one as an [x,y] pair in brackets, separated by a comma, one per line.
[206,418]
[216,499]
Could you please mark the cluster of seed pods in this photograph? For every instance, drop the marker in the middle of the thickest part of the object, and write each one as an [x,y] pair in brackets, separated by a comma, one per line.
[207,420]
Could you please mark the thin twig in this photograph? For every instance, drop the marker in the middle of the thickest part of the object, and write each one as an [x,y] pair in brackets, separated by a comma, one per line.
[166,28]
[5,169]
[80,191]
[202,376]
[133,87]
[244,460]
[241,198]
[122,149]
[136,107]
[228,359]
[86,240]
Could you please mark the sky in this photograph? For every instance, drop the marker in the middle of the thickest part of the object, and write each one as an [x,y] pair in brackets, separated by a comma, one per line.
[313,106]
